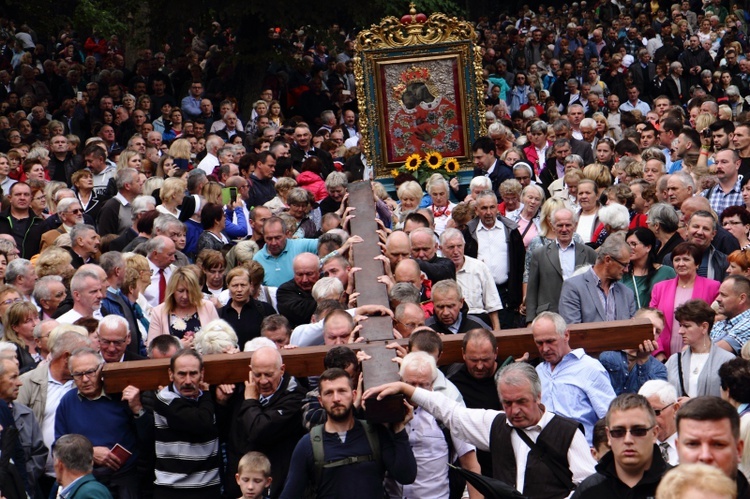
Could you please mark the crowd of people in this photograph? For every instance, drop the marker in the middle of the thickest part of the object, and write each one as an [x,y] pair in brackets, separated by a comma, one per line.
[139,222]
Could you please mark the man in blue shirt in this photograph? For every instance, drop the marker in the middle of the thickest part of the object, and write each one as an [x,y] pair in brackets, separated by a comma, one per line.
[277,255]
[573,384]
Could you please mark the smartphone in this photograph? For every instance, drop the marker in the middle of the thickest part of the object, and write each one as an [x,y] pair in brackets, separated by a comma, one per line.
[346,92]
[79,96]
[707,133]
[228,195]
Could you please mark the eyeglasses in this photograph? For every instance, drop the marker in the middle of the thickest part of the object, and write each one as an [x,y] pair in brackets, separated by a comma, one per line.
[106,343]
[87,374]
[659,411]
[624,265]
[11,301]
[638,432]
[409,326]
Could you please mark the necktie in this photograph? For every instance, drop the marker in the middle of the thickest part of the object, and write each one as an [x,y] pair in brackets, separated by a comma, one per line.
[162,286]
[664,448]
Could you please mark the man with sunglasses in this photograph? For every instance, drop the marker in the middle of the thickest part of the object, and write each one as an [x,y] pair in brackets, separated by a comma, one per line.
[597,295]
[663,399]
[634,466]
[119,419]
[70,212]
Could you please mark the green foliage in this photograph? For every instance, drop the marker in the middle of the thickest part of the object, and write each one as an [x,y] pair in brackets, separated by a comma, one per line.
[93,15]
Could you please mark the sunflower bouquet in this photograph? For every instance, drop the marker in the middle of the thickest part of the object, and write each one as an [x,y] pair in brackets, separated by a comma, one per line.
[422,167]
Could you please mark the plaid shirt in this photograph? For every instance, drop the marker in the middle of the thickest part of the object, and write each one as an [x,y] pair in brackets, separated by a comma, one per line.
[720,200]
[737,329]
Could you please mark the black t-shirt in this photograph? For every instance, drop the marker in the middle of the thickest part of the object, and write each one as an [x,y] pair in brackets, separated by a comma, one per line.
[745,167]
[20,226]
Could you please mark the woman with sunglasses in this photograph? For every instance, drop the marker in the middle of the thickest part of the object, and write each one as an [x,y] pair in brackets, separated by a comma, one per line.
[670,294]
[694,372]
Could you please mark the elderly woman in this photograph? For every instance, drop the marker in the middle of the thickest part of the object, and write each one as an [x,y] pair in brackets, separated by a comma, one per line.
[216,337]
[663,222]
[184,310]
[409,196]
[479,185]
[172,193]
[34,170]
[688,285]
[528,218]
[279,203]
[140,264]
[736,220]
[243,312]
[510,193]
[644,271]
[438,189]
[38,199]
[19,321]
[56,261]
[614,218]
[132,287]
[694,371]
[299,207]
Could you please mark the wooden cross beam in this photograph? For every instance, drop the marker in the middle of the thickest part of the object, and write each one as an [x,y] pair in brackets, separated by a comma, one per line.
[222,368]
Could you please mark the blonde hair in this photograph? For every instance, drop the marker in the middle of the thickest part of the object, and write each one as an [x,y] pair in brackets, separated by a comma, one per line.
[122,161]
[180,148]
[703,121]
[188,277]
[171,188]
[410,188]
[211,192]
[215,337]
[699,477]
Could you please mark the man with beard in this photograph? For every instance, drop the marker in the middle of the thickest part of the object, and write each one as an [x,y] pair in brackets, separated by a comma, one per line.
[347,441]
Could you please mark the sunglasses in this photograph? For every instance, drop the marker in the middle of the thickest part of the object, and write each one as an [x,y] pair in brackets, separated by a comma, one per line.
[659,411]
[638,431]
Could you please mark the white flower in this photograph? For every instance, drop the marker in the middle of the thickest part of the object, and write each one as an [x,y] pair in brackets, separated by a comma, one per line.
[178,324]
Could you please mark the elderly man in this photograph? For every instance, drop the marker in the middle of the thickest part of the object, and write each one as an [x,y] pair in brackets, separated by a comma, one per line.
[20,274]
[449,318]
[563,367]
[115,302]
[116,215]
[597,295]
[553,263]
[86,287]
[701,231]
[70,212]
[84,245]
[119,420]
[634,466]
[663,399]
[74,462]
[407,317]
[30,433]
[211,161]
[488,236]
[433,448]
[42,389]
[294,297]
[189,461]
[525,428]
[139,207]
[337,328]
[424,251]
[680,186]
[733,301]
[114,337]
[723,241]
[160,252]
[708,432]
[41,334]
[270,417]
[278,254]
[397,248]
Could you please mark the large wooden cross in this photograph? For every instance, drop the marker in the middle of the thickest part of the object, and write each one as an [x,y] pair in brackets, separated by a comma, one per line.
[376,331]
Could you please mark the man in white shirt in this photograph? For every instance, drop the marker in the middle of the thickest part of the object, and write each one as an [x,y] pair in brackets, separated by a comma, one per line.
[663,399]
[511,434]
[160,252]
[86,287]
[211,161]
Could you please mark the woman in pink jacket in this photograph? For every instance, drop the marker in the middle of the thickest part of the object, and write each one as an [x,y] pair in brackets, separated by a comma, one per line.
[184,310]
[670,294]
[310,178]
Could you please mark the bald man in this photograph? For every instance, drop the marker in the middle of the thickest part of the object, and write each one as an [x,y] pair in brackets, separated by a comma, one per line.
[397,248]
[269,419]
[294,297]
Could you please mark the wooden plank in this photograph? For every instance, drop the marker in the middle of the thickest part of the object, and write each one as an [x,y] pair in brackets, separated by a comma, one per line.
[308,361]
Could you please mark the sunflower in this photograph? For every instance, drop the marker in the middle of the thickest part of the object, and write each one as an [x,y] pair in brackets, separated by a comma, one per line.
[434,159]
[451,165]
[412,162]
[394,173]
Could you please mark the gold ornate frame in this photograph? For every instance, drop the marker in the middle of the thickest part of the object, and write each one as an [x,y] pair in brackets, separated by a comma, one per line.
[416,51]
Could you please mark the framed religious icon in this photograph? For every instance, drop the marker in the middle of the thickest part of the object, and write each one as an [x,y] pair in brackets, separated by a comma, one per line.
[419,84]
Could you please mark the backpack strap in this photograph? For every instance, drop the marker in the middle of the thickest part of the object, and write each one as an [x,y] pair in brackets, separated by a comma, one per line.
[316,439]
[373,439]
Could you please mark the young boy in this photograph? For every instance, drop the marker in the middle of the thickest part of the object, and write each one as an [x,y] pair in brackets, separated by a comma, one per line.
[253,475]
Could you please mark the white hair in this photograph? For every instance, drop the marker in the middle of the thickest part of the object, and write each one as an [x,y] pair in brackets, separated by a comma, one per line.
[663,389]
[419,361]
[258,343]
[327,288]
[215,337]
[615,215]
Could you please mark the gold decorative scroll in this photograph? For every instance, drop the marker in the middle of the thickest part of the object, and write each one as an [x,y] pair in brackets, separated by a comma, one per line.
[438,28]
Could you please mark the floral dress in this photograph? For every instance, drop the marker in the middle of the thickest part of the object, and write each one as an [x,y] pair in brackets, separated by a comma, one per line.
[181,326]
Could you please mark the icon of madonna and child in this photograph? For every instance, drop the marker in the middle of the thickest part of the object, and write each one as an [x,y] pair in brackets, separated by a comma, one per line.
[422,110]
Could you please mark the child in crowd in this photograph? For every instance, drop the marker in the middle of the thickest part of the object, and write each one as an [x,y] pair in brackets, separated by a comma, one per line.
[254,475]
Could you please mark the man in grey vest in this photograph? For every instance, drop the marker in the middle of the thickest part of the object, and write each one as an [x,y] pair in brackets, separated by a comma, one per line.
[541,454]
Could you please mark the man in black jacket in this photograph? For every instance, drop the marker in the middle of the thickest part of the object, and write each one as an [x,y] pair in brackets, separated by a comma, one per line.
[20,221]
[62,162]
[295,300]
[634,466]
[488,164]
[424,251]
[449,318]
[262,187]
[269,419]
